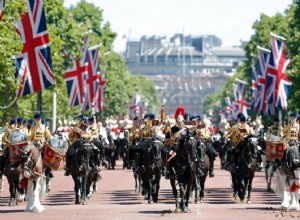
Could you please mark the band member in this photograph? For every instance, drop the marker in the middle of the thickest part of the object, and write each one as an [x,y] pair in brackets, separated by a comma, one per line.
[9,127]
[273,132]
[172,139]
[38,134]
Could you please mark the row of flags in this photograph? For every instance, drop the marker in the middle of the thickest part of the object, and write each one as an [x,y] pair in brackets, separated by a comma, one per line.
[2,4]
[34,72]
[138,106]
[270,84]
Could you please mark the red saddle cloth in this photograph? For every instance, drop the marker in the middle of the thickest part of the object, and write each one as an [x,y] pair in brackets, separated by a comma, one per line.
[52,158]
[15,152]
[275,150]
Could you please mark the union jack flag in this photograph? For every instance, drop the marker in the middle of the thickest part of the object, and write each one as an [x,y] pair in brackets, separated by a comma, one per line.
[93,79]
[99,101]
[2,4]
[75,77]
[254,83]
[34,65]
[279,83]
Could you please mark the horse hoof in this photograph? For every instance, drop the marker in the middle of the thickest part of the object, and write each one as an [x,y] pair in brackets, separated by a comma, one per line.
[197,202]
[77,202]
[186,210]
[150,202]
[201,200]
[177,210]
[242,200]
[249,202]
[269,190]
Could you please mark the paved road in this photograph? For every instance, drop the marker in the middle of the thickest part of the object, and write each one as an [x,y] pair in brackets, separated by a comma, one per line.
[117,200]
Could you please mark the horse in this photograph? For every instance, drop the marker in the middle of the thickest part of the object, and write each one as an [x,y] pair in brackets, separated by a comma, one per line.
[80,170]
[202,167]
[31,169]
[11,165]
[122,146]
[247,163]
[185,169]
[110,150]
[134,158]
[287,184]
[151,167]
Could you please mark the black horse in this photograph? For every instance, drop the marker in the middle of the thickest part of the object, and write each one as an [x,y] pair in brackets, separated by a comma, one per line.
[12,172]
[110,150]
[247,164]
[151,169]
[122,144]
[202,168]
[185,168]
[80,170]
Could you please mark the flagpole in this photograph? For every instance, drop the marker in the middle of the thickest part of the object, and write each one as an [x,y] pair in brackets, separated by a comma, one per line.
[39,103]
[54,112]
[277,36]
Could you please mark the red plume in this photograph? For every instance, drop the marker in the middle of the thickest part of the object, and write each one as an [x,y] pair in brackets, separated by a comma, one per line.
[179,111]
[294,187]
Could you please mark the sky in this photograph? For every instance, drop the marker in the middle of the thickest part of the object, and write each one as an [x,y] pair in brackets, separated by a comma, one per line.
[230,20]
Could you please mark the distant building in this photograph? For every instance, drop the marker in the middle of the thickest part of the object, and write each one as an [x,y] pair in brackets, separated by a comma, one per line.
[181,64]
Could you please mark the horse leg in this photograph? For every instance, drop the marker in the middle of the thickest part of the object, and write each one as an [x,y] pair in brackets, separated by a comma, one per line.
[85,189]
[157,187]
[295,195]
[77,182]
[202,185]
[286,194]
[33,196]
[197,189]
[12,190]
[187,195]
[136,182]
[242,188]
[1,184]
[182,196]
[150,189]
[174,190]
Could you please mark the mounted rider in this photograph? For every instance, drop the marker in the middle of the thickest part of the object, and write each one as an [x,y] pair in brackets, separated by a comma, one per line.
[5,142]
[73,137]
[237,134]
[38,135]
[291,131]
[172,139]
[274,133]
[201,131]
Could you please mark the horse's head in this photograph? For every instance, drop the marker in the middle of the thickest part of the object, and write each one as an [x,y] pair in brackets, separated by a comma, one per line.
[156,148]
[188,145]
[31,161]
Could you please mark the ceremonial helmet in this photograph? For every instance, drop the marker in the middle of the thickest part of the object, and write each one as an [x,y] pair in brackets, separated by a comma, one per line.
[179,114]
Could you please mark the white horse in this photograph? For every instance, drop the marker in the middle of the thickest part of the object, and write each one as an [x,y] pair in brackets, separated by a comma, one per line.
[290,198]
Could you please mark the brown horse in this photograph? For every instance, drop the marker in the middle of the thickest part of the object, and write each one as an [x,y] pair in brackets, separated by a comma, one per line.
[32,172]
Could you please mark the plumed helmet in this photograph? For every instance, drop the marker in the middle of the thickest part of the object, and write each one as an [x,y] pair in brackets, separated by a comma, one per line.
[37,115]
[239,115]
[243,118]
[30,121]
[179,111]
[293,114]
[180,118]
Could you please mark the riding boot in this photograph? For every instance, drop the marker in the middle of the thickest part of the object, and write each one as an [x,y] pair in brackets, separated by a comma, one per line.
[170,172]
[228,160]
[259,161]
[267,165]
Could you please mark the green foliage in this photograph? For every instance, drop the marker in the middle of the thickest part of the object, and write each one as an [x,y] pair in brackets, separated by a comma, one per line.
[66,28]
[286,25]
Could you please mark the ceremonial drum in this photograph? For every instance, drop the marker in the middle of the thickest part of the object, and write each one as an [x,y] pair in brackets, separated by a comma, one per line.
[17,142]
[54,151]
[275,148]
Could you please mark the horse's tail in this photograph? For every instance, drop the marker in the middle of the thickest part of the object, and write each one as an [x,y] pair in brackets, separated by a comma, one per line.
[43,187]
